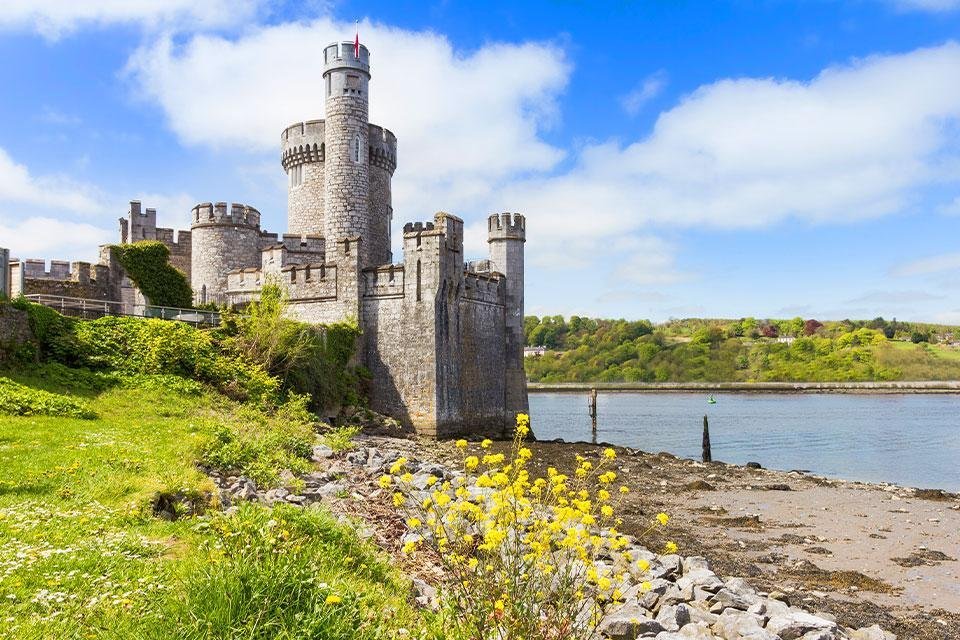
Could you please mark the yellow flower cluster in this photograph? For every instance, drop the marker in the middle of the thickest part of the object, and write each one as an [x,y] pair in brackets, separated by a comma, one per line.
[524,553]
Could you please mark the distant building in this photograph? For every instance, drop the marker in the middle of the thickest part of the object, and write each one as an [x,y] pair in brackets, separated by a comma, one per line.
[529,352]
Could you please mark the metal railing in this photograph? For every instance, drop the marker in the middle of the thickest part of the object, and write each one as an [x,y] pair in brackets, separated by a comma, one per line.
[91,309]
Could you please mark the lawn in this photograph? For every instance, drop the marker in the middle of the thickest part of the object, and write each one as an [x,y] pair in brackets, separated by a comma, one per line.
[82,554]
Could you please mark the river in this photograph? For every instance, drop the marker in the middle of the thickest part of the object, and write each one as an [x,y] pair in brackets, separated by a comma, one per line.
[907,439]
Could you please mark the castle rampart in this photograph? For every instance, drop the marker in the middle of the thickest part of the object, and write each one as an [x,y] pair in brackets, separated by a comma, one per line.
[63,278]
[4,273]
[302,152]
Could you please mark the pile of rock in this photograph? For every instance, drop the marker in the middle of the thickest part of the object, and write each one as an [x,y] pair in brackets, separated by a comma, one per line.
[685,601]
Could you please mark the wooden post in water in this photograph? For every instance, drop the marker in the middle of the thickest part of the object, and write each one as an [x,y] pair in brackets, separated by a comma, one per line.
[593,413]
[707,457]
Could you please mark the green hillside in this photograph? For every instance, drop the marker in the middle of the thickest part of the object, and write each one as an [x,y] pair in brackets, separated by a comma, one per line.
[744,350]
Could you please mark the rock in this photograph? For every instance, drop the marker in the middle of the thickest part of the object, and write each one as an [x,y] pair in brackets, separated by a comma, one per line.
[321,452]
[648,599]
[424,594]
[671,565]
[286,477]
[737,625]
[727,599]
[692,563]
[740,587]
[672,617]
[753,465]
[330,489]
[246,492]
[275,495]
[796,624]
[294,499]
[871,633]
[779,595]
[358,457]
[627,623]
[703,578]
[820,634]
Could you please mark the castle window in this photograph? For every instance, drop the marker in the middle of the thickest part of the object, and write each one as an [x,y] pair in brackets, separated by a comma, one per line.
[353,82]
[296,175]
[329,86]
[356,149]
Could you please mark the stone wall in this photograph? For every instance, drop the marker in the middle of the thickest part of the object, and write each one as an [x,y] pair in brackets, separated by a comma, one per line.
[63,279]
[14,331]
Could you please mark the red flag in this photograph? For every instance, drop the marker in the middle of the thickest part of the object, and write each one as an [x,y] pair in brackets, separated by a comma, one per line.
[356,43]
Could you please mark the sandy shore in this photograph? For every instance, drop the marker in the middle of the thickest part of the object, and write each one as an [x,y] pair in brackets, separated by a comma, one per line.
[864,553]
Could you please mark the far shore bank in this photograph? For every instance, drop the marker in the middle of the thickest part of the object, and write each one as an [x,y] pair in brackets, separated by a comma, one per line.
[935,386]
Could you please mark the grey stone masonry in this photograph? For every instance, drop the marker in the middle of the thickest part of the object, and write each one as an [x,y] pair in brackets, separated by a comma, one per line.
[346,161]
[506,235]
[302,156]
[225,238]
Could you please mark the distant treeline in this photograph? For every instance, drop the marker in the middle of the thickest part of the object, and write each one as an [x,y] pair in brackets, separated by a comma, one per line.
[714,350]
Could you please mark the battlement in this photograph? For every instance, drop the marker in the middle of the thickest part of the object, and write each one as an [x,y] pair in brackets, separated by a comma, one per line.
[307,243]
[301,143]
[484,287]
[174,237]
[340,55]
[507,226]
[384,281]
[417,227]
[383,148]
[479,266]
[219,214]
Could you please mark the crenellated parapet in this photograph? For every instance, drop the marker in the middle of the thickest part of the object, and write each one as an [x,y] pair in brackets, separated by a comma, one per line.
[484,287]
[507,226]
[385,281]
[222,214]
[302,143]
[383,148]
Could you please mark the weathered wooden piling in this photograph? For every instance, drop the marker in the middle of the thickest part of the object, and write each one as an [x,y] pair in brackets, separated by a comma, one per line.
[707,457]
[593,413]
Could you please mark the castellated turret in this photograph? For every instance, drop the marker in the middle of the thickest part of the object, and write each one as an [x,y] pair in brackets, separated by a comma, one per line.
[506,235]
[339,170]
[225,237]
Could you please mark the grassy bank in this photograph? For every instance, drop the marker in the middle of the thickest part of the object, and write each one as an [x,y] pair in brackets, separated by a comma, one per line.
[84,552]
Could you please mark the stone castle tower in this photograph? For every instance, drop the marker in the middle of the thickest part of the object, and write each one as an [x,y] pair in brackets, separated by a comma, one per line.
[441,337]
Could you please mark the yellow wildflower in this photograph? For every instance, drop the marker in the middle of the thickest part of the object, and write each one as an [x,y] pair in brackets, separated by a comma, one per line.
[609,453]
[385,481]
[663,518]
[332,599]
[486,443]
[461,444]
[671,547]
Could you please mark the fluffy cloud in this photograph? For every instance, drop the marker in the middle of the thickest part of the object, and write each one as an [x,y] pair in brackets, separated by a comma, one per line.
[45,237]
[18,187]
[54,18]
[465,121]
[856,141]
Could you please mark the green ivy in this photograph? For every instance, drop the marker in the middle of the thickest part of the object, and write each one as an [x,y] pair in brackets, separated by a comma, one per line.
[148,265]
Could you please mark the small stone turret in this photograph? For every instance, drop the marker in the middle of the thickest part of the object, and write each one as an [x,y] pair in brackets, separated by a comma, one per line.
[4,273]
[224,238]
[506,235]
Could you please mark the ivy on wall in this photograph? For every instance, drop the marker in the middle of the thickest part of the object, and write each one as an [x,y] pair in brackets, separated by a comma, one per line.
[148,265]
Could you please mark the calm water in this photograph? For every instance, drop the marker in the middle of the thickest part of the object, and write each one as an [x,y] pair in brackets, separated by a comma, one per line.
[912,440]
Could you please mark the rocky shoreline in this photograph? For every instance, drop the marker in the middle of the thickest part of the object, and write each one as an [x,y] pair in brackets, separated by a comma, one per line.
[737,579]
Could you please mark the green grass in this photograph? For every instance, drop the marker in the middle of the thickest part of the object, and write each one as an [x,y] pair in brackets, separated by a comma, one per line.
[83,556]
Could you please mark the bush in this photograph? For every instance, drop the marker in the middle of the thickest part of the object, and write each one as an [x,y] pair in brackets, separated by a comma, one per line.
[259,445]
[56,334]
[19,400]
[152,346]
[523,554]
[306,358]
[148,265]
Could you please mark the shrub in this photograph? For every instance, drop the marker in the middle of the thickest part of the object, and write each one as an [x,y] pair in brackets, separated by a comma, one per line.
[306,358]
[56,334]
[523,554]
[341,438]
[19,400]
[259,445]
[152,346]
[148,265]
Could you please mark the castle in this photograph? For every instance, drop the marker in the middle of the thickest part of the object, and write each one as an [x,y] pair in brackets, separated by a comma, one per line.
[442,338]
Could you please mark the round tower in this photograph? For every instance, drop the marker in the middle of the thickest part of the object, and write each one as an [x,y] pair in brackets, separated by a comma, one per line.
[301,154]
[383,162]
[223,238]
[346,77]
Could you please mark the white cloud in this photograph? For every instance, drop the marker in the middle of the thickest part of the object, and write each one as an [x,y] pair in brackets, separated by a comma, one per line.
[464,121]
[951,208]
[927,266]
[54,18]
[935,6]
[645,260]
[643,93]
[18,187]
[887,298]
[46,237]
[856,141]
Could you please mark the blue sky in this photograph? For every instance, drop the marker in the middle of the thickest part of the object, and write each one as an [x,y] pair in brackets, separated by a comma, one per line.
[674,158]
